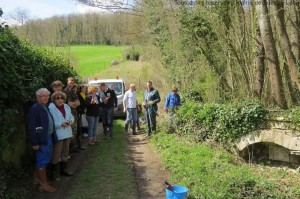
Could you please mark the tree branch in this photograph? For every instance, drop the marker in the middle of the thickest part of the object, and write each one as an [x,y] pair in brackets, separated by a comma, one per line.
[114,5]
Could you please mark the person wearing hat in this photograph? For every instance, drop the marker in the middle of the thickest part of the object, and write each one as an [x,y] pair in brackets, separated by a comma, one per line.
[172,104]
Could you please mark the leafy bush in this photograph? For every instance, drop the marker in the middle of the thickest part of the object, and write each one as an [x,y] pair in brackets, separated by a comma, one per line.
[24,69]
[293,115]
[213,173]
[221,122]
[132,54]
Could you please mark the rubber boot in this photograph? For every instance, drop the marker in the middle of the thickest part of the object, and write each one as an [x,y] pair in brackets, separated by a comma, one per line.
[126,128]
[138,125]
[78,138]
[134,128]
[104,129]
[63,169]
[110,132]
[55,172]
[42,177]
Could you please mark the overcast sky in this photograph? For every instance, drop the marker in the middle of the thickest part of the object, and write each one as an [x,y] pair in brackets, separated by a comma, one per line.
[45,8]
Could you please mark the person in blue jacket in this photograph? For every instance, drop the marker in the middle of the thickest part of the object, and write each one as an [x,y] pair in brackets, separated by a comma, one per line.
[172,104]
[42,132]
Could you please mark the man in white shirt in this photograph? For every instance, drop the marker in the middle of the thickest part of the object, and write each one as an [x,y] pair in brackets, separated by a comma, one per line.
[130,107]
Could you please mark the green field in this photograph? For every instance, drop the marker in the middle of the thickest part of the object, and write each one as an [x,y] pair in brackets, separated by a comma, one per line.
[89,60]
[94,61]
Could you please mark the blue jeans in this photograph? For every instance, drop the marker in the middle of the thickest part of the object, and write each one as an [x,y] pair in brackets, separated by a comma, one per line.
[151,121]
[107,119]
[131,115]
[92,127]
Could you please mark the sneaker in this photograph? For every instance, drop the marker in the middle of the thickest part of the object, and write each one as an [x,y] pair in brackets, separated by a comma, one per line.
[142,122]
[91,143]
[85,135]
[95,141]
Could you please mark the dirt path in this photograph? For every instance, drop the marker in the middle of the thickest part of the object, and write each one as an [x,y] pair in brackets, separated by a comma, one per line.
[149,171]
[75,165]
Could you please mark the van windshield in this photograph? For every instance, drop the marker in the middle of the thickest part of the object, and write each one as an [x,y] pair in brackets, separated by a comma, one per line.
[116,86]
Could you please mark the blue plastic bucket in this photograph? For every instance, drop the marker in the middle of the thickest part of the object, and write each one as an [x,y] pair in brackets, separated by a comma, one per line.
[179,192]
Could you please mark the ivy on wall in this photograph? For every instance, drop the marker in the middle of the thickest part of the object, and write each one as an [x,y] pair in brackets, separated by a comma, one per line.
[220,122]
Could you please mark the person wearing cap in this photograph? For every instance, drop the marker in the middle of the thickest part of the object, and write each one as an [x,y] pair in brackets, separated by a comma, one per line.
[172,104]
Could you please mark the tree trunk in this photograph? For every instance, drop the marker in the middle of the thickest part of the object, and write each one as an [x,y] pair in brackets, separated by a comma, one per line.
[294,26]
[259,64]
[286,44]
[271,54]
[289,84]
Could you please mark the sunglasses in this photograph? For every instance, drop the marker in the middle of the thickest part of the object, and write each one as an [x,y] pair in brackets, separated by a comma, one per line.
[58,98]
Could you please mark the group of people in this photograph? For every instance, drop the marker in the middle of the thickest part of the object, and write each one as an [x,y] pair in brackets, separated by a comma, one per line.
[58,115]
[151,98]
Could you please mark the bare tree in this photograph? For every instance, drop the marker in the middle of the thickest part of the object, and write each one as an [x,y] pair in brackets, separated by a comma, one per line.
[260,64]
[114,5]
[293,25]
[286,44]
[271,54]
[20,15]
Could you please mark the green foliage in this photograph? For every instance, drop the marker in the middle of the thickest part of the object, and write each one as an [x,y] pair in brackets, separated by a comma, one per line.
[213,173]
[291,118]
[132,54]
[294,116]
[24,69]
[221,122]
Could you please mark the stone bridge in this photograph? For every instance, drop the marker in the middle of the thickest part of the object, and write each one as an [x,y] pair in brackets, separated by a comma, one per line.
[284,138]
[280,142]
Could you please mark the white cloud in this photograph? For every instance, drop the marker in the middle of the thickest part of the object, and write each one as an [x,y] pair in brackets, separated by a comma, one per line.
[88,9]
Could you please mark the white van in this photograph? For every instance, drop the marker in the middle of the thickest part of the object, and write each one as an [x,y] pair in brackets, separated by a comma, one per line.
[118,85]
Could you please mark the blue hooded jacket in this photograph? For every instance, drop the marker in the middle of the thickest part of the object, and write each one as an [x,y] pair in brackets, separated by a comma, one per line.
[172,100]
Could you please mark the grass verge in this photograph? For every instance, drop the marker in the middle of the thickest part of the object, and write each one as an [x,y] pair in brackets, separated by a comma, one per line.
[214,173]
[108,173]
